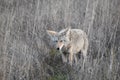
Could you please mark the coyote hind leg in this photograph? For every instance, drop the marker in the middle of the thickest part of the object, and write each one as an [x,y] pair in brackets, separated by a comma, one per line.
[75,58]
[84,52]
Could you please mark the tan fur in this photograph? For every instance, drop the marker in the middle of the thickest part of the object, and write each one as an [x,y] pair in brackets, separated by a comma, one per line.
[70,41]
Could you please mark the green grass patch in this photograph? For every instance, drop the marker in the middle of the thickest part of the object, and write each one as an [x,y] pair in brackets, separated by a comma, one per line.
[58,77]
[53,52]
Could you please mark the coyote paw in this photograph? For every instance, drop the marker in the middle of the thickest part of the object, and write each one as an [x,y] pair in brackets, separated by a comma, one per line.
[70,63]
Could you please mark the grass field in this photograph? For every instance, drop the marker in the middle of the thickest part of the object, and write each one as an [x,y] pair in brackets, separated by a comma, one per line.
[26,52]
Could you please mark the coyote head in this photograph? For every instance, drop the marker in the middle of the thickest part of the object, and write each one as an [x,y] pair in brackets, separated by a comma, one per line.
[61,39]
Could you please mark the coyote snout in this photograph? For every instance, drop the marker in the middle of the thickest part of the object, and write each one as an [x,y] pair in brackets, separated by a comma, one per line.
[59,45]
[70,41]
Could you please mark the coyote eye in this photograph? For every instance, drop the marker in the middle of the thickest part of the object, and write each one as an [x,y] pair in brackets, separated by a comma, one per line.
[61,40]
[56,41]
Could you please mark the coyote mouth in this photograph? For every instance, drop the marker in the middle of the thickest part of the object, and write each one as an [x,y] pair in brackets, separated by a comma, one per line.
[65,52]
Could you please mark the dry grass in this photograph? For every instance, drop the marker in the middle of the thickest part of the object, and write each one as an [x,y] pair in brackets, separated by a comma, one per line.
[25,49]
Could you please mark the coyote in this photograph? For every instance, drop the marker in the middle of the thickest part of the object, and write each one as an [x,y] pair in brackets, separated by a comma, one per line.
[70,41]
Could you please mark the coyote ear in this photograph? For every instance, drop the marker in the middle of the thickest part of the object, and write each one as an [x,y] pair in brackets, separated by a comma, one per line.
[67,31]
[51,33]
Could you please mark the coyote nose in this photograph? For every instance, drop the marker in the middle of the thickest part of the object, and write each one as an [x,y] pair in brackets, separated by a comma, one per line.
[57,48]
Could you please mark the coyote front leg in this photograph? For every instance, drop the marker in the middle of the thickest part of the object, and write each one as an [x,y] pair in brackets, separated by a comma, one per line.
[64,58]
[70,58]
